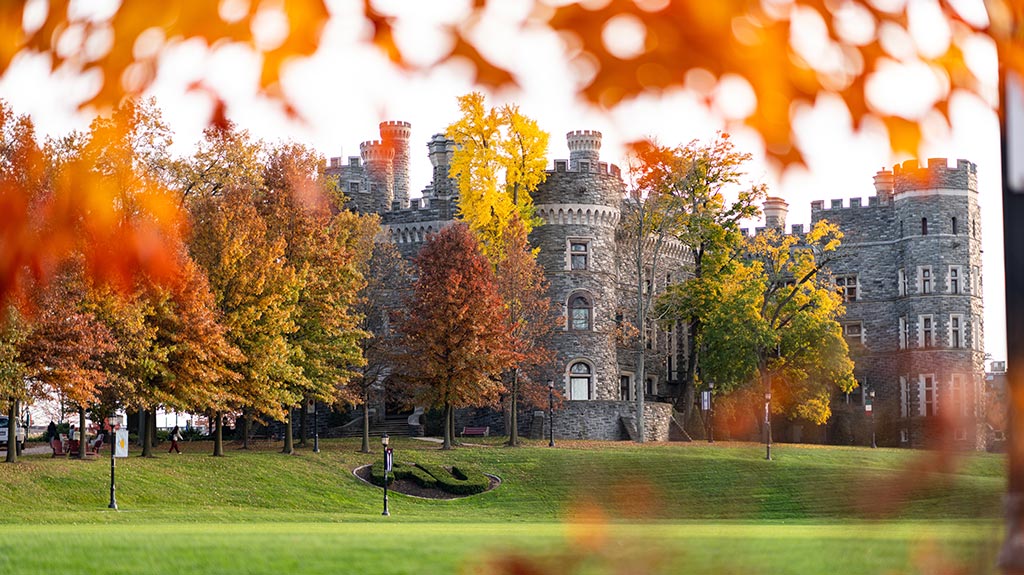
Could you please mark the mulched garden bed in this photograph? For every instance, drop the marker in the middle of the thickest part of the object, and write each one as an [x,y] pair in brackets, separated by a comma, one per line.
[410,487]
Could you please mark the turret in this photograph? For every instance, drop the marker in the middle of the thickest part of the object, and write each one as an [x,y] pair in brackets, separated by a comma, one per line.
[395,135]
[441,149]
[379,173]
[884,182]
[584,146]
[775,211]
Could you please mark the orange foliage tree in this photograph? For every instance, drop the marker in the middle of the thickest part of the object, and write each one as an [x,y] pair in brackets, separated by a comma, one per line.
[455,337]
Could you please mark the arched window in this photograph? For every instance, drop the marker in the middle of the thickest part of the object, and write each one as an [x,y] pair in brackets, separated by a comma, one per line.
[580,378]
[581,311]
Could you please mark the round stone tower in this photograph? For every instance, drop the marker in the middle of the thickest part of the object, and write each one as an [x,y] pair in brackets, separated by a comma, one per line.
[379,174]
[580,211]
[939,301]
[440,150]
[395,135]
[775,211]
[584,146]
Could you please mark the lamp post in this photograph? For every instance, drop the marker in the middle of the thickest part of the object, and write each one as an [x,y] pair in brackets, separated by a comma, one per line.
[711,412]
[768,425]
[551,414]
[316,428]
[869,407]
[113,449]
[384,440]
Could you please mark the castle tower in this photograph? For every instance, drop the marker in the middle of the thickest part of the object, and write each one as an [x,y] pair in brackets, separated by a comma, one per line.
[584,146]
[775,211]
[395,135]
[884,182]
[440,150]
[580,210]
[379,174]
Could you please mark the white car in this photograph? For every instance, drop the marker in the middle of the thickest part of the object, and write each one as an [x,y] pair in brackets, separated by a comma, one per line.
[20,438]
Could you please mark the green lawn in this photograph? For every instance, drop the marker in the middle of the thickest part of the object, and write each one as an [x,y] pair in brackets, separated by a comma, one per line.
[581,508]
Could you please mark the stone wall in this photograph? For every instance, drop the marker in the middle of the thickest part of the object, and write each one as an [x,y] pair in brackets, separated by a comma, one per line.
[603,420]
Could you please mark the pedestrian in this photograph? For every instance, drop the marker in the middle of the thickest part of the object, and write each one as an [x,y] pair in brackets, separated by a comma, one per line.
[175,438]
[51,432]
[71,432]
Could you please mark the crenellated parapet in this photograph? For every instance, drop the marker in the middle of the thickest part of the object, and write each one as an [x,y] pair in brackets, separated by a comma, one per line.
[584,147]
[581,214]
[910,176]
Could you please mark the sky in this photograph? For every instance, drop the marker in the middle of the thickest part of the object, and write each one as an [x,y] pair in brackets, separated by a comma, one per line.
[347,88]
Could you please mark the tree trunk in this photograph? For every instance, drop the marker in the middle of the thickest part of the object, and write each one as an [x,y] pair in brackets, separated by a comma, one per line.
[366,426]
[218,435]
[447,427]
[246,428]
[513,428]
[144,431]
[289,447]
[82,440]
[152,424]
[12,432]
[142,428]
[302,425]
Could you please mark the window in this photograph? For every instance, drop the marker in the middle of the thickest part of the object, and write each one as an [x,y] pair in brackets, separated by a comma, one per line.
[580,377]
[925,331]
[847,287]
[956,331]
[958,395]
[625,388]
[901,282]
[928,400]
[853,332]
[353,187]
[579,255]
[649,387]
[904,436]
[904,332]
[373,188]
[954,279]
[924,226]
[580,313]
[904,397]
[954,227]
[584,166]
[924,279]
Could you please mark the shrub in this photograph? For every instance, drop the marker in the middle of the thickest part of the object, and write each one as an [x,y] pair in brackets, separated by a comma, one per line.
[402,471]
[461,481]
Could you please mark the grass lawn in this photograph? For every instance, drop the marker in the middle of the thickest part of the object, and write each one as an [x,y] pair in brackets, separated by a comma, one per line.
[581,508]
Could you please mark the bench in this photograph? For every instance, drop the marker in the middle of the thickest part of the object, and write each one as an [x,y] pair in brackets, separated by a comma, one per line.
[90,449]
[476,431]
[58,448]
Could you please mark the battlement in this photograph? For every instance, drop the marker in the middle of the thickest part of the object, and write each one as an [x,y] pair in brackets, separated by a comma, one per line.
[376,150]
[604,168]
[584,141]
[395,130]
[937,174]
[837,204]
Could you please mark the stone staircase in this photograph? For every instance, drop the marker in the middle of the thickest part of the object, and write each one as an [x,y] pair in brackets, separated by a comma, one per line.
[394,425]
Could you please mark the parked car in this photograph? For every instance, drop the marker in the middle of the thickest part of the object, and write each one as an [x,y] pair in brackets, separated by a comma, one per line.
[20,438]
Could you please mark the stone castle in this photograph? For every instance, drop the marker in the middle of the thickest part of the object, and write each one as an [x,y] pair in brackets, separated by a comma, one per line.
[581,248]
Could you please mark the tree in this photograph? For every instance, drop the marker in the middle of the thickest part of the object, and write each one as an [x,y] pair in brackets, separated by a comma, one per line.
[690,183]
[455,336]
[531,319]
[388,277]
[773,319]
[12,372]
[493,144]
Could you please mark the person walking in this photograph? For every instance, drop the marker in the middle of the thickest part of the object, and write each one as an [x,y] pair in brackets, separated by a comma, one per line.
[175,438]
[51,432]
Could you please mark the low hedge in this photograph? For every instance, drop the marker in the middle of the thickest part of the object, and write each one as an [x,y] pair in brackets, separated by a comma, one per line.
[461,481]
[402,471]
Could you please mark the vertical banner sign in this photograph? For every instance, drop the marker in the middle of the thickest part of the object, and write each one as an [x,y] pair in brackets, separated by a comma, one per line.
[311,406]
[1014,133]
[121,443]
[705,400]
[387,460]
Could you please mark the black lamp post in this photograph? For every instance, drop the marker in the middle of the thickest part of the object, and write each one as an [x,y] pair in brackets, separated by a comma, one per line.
[869,407]
[113,449]
[316,428]
[768,425]
[551,414]
[384,440]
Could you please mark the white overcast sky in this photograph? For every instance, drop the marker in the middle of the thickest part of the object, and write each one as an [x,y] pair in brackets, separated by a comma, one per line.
[347,88]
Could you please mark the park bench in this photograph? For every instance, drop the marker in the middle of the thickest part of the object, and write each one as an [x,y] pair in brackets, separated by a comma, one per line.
[58,447]
[476,431]
[90,451]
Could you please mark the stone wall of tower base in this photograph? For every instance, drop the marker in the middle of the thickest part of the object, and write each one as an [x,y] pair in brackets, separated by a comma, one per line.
[603,420]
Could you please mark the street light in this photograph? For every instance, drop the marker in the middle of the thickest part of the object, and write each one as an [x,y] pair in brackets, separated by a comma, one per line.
[113,450]
[384,440]
[551,413]
[768,425]
[869,407]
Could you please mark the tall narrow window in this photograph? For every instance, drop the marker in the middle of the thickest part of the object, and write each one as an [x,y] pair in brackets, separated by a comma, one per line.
[954,226]
[924,279]
[580,313]
[928,399]
[956,331]
[958,395]
[904,397]
[926,333]
[954,279]
[625,388]
[847,286]
[580,377]
[924,226]
[579,254]
[901,282]
[903,332]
